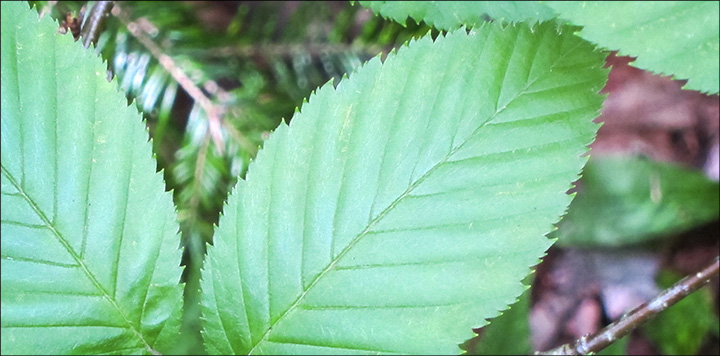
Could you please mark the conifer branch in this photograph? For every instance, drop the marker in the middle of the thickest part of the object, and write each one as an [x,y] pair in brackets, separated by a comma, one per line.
[214,112]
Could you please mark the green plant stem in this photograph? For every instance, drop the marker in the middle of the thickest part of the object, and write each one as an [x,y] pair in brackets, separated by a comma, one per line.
[628,322]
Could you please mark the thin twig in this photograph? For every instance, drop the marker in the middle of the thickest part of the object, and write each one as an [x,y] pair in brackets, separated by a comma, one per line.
[627,323]
[94,20]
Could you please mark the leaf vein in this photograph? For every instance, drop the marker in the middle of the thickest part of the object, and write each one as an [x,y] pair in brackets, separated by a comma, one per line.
[40,261]
[75,256]
[370,307]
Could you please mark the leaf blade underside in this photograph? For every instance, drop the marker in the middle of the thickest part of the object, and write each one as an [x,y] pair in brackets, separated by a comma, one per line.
[89,241]
[405,207]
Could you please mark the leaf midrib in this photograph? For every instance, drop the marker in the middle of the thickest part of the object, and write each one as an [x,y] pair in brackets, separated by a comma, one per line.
[407,192]
[77,258]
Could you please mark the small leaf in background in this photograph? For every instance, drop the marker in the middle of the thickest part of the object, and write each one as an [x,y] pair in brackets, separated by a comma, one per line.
[449,15]
[400,210]
[679,38]
[90,258]
[627,200]
[682,328]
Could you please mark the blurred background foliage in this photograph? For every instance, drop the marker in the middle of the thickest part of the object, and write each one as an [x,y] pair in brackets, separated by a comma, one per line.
[649,200]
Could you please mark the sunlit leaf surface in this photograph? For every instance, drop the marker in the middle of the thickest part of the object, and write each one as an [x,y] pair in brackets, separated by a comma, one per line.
[90,259]
[405,206]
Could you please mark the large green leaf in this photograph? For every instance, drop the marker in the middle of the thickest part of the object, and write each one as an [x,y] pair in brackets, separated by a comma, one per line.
[679,38]
[405,206]
[626,200]
[89,238]
[447,15]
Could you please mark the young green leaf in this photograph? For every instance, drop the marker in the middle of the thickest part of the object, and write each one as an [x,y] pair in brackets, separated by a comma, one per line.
[404,207]
[448,15]
[679,38]
[89,238]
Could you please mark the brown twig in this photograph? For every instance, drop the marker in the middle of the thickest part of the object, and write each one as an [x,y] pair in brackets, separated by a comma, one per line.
[628,322]
[94,20]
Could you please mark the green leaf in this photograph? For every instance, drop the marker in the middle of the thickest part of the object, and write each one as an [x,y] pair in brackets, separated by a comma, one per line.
[626,200]
[402,208]
[448,15]
[89,238]
[679,38]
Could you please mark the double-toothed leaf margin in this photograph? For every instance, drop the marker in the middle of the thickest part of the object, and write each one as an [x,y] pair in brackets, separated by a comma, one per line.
[404,207]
